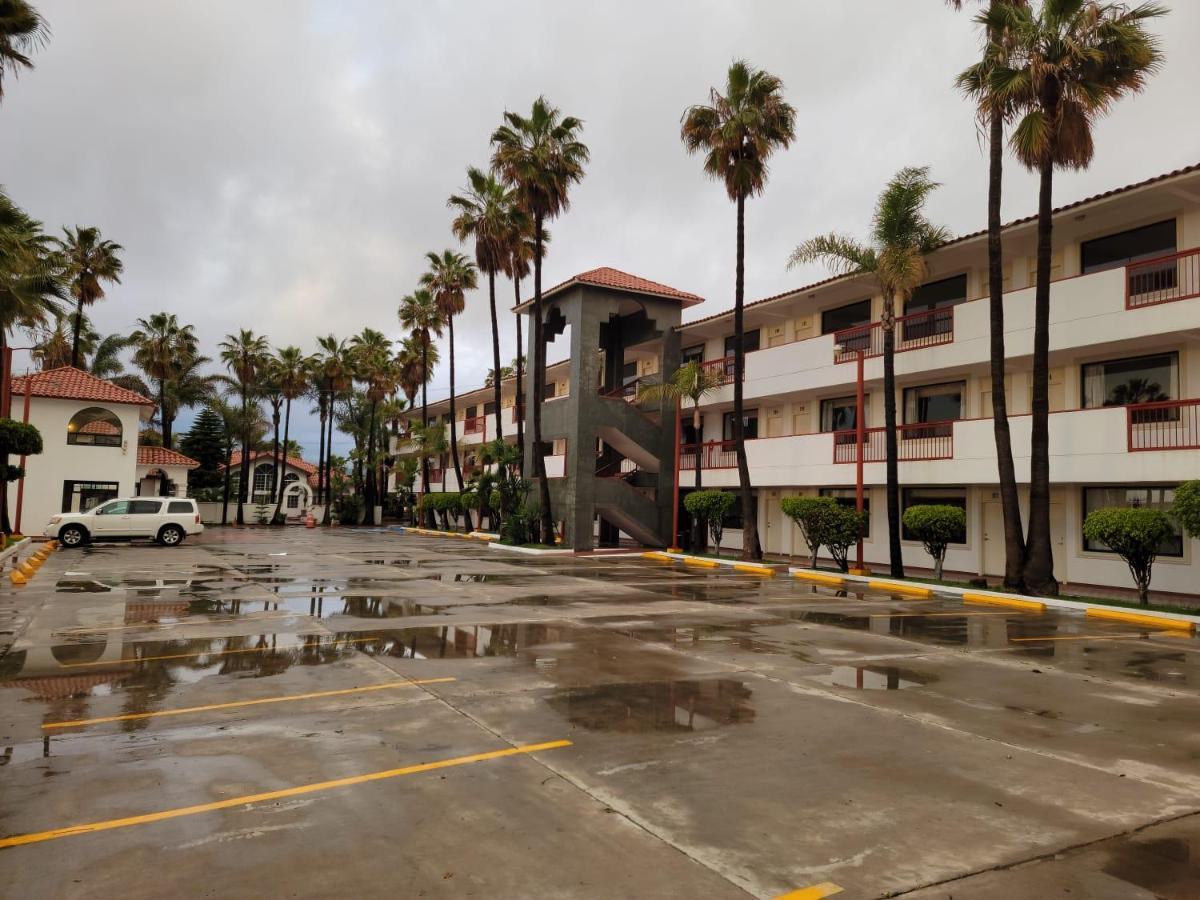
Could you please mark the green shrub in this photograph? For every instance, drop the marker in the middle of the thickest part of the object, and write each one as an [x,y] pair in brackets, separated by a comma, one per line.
[808,513]
[1186,508]
[840,530]
[19,439]
[1133,533]
[936,526]
[711,507]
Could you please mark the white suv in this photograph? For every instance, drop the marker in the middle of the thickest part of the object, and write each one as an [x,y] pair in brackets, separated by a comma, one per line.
[167,520]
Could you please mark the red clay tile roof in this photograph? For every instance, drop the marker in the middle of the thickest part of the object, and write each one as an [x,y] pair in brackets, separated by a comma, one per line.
[69,383]
[99,426]
[236,460]
[608,277]
[161,456]
[1015,223]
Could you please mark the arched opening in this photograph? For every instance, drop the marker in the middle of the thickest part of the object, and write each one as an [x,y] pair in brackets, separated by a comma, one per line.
[94,427]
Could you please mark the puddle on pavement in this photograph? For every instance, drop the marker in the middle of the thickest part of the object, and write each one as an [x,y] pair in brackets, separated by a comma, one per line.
[1165,867]
[81,586]
[670,706]
[874,678]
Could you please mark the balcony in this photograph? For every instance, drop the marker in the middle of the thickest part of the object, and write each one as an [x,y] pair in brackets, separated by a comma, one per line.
[474,425]
[1163,280]
[436,476]
[725,366]
[920,442]
[913,332]
[711,455]
[1170,425]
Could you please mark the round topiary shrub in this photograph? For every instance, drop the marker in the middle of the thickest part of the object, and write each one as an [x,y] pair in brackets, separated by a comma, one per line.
[1135,534]
[936,526]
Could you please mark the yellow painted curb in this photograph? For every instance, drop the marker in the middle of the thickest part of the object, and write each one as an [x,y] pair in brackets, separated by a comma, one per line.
[674,549]
[655,555]
[697,561]
[26,569]
[1014,602]
[816,578]
[895,587]
[1140,619]
[16,577]
[753,569]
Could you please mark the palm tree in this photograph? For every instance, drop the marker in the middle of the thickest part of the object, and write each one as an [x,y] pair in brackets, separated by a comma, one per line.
[244,354]
[490,380]
[520,260]
[374,367]
[449,277]
[901,238]
[165,350]
[694,382]
[333,374]
[991,111]
[421,317]
[90,260]
[22,30]
[487,213]
[540,157]
[291,376]
[411,360]
[738,131]
[1071,61]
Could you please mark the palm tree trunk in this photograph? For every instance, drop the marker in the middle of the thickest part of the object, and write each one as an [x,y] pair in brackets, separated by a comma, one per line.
[244,485]
[5,379]
[495,361]
[539,379]
[453,415]
[162,420]
[228,477]
[891,448]
[276,465]
[750,545]
[321,450]
[369,487]
[1039,559]
[428,515]
[519,402]
[329,460]
[75,333]
[1014,540]
[277,517]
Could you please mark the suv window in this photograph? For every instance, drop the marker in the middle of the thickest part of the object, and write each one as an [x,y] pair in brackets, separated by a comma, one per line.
[180,506]
[118,508]
[144,507]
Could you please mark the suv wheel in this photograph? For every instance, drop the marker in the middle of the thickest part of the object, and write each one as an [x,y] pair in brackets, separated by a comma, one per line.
[171,536]
[72,536]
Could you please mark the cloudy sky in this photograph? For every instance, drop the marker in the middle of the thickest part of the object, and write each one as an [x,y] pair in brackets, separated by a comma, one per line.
[284,165]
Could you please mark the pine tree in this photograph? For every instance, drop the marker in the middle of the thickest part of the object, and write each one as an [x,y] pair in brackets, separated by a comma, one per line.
[205,443]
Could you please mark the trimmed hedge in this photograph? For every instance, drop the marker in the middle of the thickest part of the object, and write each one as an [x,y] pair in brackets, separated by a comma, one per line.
[1186,508]
[711,507]
[1133,533]
[936,525]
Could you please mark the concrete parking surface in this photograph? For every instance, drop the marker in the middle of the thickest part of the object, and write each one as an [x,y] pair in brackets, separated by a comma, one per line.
[349,713]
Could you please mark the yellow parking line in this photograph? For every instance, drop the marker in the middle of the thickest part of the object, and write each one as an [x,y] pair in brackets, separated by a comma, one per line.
[137,659]
[1084,637]
[109,824]
[926,615]
[236,703]
[812,892]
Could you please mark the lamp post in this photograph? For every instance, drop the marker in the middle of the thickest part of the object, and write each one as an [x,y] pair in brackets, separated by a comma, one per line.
[859,441]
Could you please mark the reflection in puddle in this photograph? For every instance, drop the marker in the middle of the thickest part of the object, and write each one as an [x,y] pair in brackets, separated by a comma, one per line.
[1166,867]
[873,678]
[674,706]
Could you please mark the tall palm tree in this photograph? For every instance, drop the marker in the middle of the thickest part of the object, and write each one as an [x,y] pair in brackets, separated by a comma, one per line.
[991,111]
[22,30]
[164,349]
[420,316]
[244,354]
[737,132]
[411,360]
[901,238]
[90,261]
[691,381]
[449,277]
[487,213]
[333,373]
[1071,61]
[520,261]
[291,376]
[230,416]
[374,367]
[540,156]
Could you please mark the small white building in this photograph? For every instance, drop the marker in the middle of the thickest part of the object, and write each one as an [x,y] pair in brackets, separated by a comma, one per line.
[89,430]
[158,464]
[298,478]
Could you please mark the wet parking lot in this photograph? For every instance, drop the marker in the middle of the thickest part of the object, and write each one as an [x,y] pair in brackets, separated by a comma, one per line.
[311,714]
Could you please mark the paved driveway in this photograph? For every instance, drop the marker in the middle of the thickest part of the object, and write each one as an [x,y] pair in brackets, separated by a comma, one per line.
[311,714]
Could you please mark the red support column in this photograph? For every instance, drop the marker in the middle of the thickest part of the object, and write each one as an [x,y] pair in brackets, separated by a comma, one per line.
[859,434]
[678,475]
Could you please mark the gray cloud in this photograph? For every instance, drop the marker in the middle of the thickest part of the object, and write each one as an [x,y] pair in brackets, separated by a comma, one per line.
[283,166]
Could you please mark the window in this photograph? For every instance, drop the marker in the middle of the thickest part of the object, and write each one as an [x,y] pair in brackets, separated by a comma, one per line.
[923,496]
[845,497]
[94,427]
[689,434]
[144,507]
[838,413]
[933,403]
[82,496]
[1138,379]
[489,408]
[1116,250]
[749,426]
[691,354]
[733,520]
[116,508]
[929,298]
[293,500]
[180,508]
[1149,497]
[849,316]
[749,342]
[262,478]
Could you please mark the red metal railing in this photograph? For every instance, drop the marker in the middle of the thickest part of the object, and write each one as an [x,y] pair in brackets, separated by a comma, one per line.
[1170,425]
[923,329]
[923,441]
[1163,280]
[435,476]
[474,424]
[712,455]
[723,365]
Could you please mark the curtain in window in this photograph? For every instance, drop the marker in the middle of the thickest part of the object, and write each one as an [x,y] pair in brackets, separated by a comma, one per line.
[1094,392]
